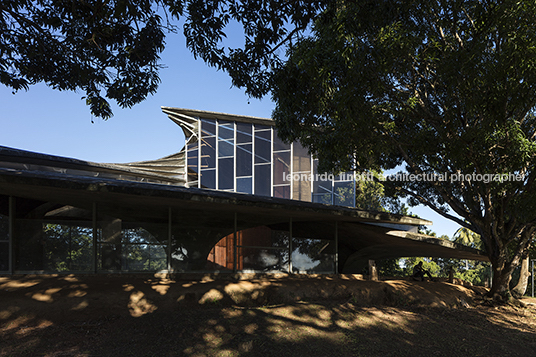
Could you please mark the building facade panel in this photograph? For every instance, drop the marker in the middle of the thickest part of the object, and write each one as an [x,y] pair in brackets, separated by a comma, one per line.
[249,157]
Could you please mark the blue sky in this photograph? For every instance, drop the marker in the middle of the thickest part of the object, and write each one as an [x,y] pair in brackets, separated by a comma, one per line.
[59,123]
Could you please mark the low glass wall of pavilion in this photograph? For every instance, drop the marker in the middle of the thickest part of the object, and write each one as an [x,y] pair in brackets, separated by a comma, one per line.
[47,237]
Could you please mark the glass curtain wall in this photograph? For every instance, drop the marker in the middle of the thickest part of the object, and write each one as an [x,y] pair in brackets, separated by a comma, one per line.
[244,158]
[226,154]
[302,173]
[263,160]
[250,158]
[51,244]
[208,154]
[313,255]
[131,246]
[262,249]
[282,169]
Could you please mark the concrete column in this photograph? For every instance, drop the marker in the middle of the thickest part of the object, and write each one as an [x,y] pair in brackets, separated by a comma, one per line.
[290,246]
[373,270]
[95,237]
[11,230]
[336,258]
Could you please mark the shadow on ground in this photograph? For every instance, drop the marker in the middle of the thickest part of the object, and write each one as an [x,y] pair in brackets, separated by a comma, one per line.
[299,316]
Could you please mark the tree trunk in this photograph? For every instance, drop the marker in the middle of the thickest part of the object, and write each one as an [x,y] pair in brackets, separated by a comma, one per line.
[500,286]
[523,282]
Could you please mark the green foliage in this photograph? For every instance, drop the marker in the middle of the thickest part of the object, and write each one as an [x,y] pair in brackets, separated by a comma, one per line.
[428,264]
[442,88]
[105,49]
[468,238]
[390,267]
[67,248]
[110,50]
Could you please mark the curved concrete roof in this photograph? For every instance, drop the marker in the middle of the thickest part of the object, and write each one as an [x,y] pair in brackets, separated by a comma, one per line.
[191,207]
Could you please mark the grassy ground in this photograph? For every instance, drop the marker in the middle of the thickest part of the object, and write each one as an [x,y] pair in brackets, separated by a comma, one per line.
[122,316]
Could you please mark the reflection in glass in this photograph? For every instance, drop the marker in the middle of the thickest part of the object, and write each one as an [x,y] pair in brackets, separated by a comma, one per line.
[208,127]
[243,160]
[262,180]
[312,255]
[226,174]
[343,193]
[244,185]
[281,167]
[264,260]
[208,153]
[226,148]
[301,190]
[208,179]
[282,191]
[226,130]
[262,127]
[301,160]
[279,145]
[67,247]
[243,133]
[263,147]
[323,198]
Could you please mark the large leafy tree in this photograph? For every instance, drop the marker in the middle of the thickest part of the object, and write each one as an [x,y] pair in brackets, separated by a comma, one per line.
[444,88]
[109,49]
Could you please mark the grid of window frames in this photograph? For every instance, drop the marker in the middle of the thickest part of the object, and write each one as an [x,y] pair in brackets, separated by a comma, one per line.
[250,158]
[282,154]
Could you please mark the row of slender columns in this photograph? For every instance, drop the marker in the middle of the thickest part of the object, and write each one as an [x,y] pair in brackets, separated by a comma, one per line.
[11,225]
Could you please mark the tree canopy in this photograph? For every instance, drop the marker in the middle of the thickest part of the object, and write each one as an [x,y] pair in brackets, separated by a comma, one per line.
[445,89]
[110,50]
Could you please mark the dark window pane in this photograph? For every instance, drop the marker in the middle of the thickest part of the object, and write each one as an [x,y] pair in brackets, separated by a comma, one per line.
[226,148]
[193,161]
[282,191]
[208,127]
[265,134]
[243,133]
[226,131]
[322,186]
[262,127]
[243,160]
[225,174]
[208,153]
[244,185]
[322,198]
[262,180]
[279,145]
[281,167]
[208,179]
[301,159]
[263,148]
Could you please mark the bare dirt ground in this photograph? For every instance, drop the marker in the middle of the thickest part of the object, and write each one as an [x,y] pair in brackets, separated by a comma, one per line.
[135,315]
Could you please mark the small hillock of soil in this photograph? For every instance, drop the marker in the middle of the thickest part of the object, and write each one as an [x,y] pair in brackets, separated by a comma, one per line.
[159,315]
